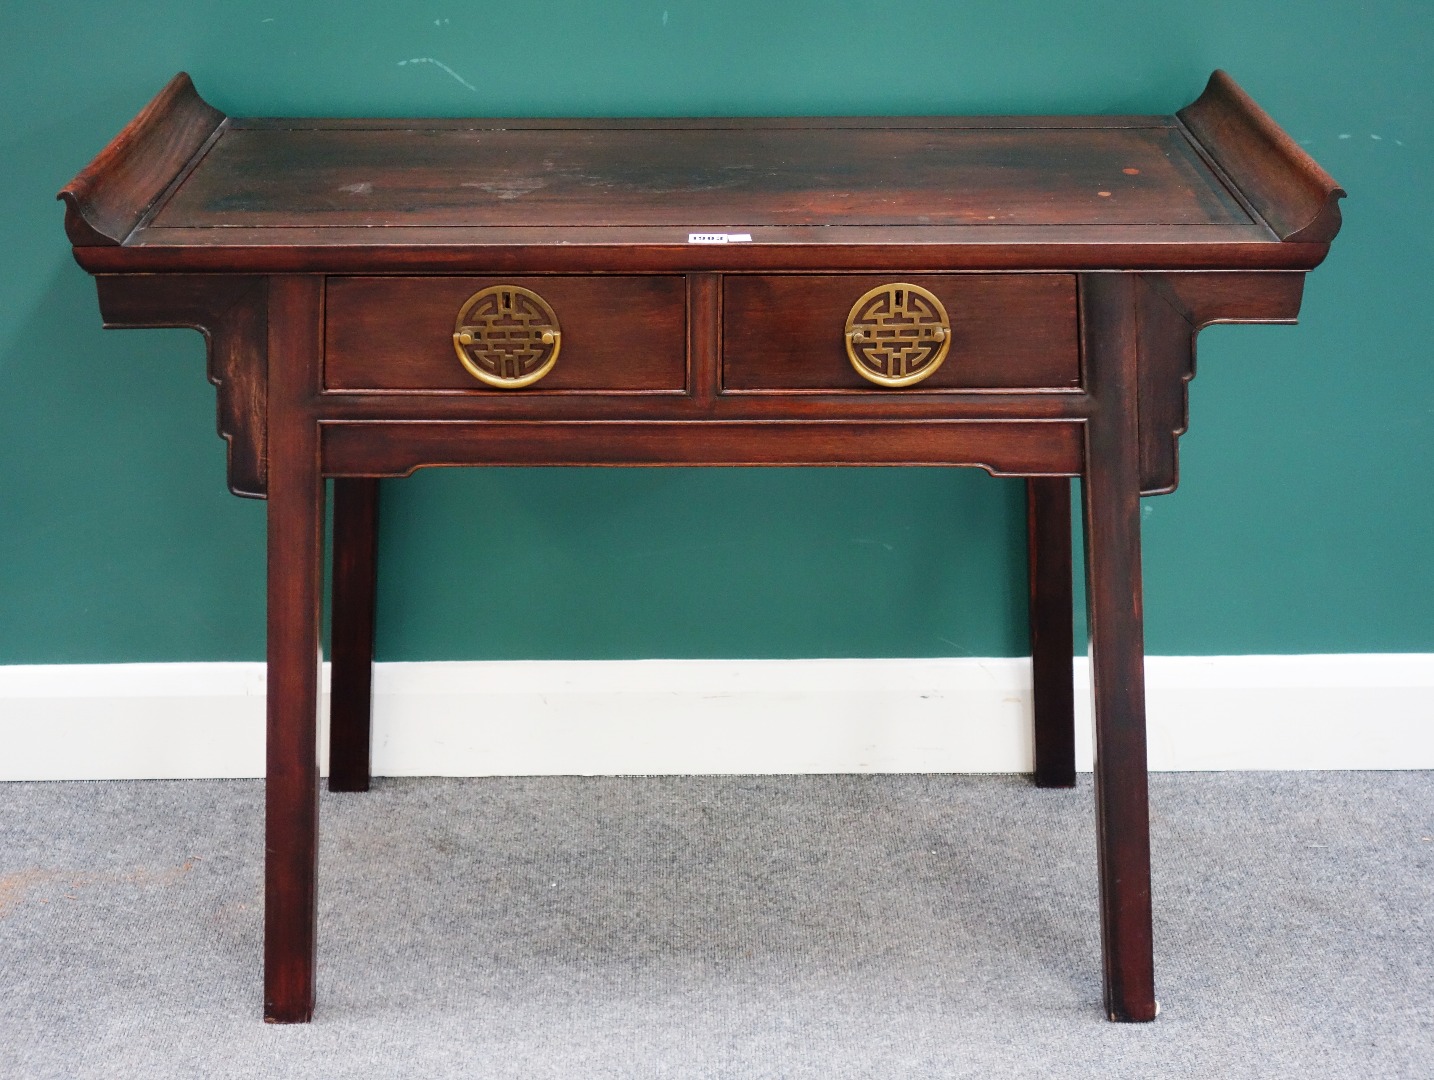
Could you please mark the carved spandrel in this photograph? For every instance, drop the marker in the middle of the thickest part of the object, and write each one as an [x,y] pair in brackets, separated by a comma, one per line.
[231,312]
[1172,310]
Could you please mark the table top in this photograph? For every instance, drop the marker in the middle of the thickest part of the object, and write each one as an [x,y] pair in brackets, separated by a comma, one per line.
[822,174]
[1217,186]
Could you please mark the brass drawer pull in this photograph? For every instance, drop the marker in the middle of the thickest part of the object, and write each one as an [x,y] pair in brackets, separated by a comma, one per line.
[507,336]
[897,334]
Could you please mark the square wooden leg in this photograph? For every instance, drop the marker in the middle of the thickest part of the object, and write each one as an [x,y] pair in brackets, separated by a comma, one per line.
[1111,504]
[296,527]
[1048,552]
[351,632]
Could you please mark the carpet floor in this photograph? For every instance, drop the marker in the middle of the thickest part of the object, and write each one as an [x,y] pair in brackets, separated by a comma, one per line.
[722,927]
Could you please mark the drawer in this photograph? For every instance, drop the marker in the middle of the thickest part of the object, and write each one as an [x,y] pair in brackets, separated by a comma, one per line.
[397,333]
[789,332]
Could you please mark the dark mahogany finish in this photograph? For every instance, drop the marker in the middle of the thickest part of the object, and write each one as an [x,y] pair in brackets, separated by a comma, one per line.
[355,581]
[397,333]
[296,555]
[231,311]
[698,170]
[1048,555]
[326,261]
[1110,490]
[777,331]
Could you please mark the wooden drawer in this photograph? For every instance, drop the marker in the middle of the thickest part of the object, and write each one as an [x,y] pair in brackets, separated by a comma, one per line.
[396,333]
[1007,331]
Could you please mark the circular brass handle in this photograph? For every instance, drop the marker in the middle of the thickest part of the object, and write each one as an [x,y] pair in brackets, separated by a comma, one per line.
[507,336]
[897,334]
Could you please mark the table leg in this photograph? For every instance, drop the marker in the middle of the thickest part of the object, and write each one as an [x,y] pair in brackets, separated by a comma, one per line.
[351,632]
[1048,553]
[296,527]
[1111,498]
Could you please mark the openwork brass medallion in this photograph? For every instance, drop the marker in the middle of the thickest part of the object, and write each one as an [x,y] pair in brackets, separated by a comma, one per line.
[507,336]
[897,334]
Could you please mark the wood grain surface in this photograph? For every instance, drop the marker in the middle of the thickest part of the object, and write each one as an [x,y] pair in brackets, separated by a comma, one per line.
[1007,330]
[105,202]
[1219,187]
[699,177]
[396,333]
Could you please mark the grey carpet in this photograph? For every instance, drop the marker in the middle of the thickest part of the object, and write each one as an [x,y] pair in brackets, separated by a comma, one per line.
[732,927]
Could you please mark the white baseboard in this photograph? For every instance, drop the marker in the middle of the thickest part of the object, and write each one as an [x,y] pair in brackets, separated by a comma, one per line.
[131,721]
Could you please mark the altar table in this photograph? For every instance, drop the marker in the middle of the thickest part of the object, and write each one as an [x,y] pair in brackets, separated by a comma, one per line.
[1020,294]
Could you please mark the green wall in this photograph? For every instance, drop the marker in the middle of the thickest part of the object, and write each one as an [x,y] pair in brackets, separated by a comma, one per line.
[1304,522]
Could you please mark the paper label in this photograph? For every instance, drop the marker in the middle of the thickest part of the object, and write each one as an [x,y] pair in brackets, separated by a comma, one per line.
[719,238]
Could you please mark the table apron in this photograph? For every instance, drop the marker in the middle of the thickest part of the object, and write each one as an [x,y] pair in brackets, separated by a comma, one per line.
[1002,447]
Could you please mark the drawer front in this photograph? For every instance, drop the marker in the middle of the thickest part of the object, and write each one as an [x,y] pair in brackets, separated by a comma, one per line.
[397,333]
[789,332]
